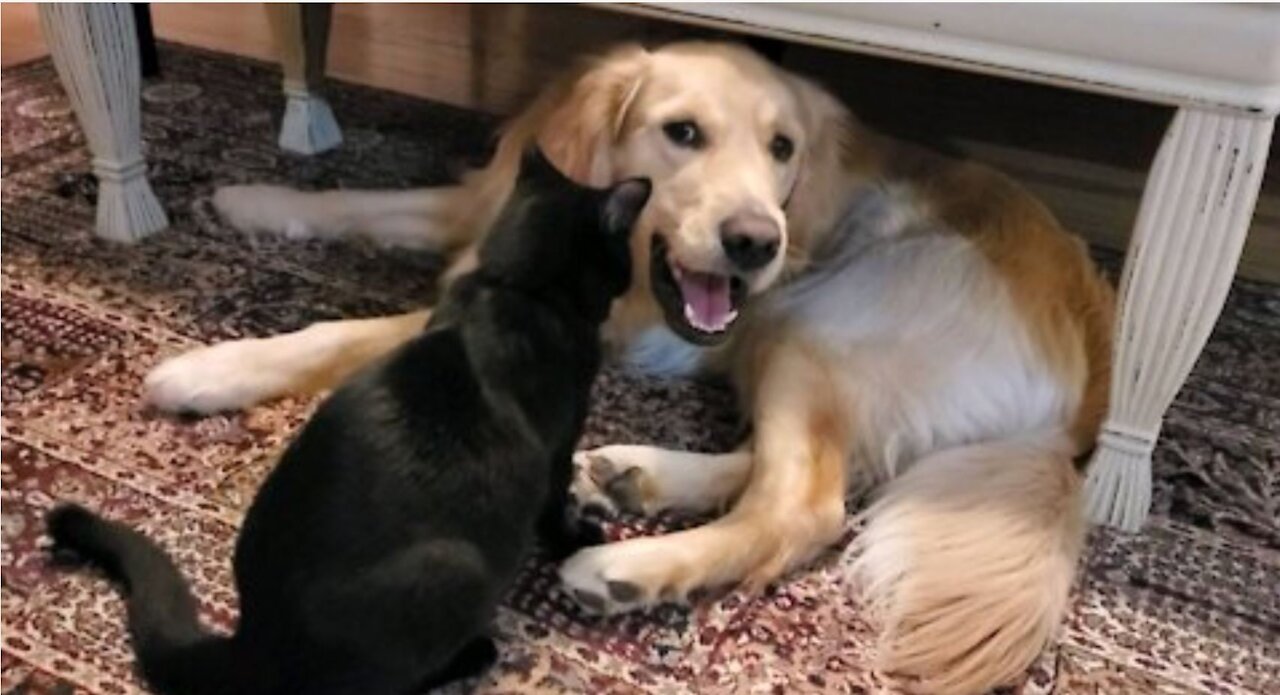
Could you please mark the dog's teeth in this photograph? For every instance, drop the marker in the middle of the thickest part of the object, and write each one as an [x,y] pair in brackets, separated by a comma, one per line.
[721,327]
[724,324]
[694,321]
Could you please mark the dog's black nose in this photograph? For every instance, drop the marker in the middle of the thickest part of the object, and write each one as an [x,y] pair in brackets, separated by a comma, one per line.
[750,240]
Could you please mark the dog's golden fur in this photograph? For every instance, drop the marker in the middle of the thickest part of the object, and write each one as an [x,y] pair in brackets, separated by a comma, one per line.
[929,328]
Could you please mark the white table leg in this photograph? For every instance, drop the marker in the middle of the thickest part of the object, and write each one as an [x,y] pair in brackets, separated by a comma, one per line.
[1191,228]
[95,51]
[302,37]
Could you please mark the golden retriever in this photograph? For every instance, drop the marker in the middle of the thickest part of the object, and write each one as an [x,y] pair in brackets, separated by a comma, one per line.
[891,317]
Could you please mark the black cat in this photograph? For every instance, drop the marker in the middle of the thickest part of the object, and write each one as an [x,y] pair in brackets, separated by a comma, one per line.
[373,556]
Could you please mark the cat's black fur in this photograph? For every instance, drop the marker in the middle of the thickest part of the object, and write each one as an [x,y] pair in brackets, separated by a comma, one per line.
[373,557]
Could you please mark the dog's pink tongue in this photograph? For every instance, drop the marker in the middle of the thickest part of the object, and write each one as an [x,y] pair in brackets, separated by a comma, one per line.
[706,300]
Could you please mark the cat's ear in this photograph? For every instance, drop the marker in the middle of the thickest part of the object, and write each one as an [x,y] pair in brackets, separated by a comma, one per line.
[536,168]
[623,204]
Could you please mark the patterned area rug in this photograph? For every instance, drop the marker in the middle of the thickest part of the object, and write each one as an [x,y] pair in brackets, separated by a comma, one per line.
[1190,605]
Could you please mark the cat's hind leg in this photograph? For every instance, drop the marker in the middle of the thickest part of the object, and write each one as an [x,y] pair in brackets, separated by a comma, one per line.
[473,659]
[405,617]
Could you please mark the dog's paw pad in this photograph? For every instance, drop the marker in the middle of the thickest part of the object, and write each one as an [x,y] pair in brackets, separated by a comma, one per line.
[623,592]
[590,600]
[626,489]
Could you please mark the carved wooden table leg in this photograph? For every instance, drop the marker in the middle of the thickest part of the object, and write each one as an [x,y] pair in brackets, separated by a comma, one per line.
[1191,228]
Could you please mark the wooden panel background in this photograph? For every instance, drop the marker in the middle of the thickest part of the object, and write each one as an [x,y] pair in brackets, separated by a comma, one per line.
[1085,155]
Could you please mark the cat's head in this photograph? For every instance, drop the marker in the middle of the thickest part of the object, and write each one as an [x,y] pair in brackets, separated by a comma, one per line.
[556,236]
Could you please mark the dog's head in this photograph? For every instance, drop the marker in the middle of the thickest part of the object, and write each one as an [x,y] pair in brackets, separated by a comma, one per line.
[556,237]
[728,141]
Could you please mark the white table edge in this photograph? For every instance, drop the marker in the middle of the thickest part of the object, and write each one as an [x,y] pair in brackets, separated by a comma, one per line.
[1065,70]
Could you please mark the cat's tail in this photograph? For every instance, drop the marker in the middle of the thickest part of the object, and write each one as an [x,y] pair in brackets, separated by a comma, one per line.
[175,654]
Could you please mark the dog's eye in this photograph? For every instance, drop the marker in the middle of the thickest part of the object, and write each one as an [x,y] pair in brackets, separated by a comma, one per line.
[684,133]
[782,147]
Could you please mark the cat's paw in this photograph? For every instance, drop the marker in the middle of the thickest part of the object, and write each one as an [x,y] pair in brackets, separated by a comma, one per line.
[64,525]
[471,660]
[575,536]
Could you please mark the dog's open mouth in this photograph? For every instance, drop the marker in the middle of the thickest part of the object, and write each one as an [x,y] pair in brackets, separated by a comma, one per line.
[700,307]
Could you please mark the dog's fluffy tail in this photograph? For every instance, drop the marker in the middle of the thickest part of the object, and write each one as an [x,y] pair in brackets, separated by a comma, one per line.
[175,654]
[968,559]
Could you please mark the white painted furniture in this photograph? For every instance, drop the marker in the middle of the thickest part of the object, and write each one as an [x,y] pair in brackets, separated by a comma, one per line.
[1219,65]
[95,51]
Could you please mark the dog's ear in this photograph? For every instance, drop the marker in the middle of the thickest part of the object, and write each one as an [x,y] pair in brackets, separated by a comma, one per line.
[581,129]
[623,204]
[817,194]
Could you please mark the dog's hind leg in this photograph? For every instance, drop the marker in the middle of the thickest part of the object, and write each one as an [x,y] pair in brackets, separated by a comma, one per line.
[442,218]
[421,218]
[240,373]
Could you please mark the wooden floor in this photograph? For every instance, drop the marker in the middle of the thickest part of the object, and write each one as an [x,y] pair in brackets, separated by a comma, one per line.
[20,38]
[1086,156]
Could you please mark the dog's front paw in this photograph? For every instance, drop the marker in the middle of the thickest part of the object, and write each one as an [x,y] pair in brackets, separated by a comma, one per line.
[227,376]
[627,575]
[605,481]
